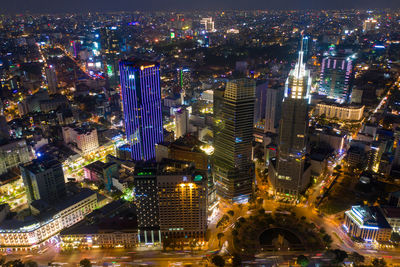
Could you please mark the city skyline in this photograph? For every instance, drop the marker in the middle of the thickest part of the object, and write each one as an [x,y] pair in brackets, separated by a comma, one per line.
[214,137]
[42,6]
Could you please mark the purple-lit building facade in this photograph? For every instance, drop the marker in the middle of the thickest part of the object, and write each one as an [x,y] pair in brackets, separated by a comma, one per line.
[336,77]
[141,100]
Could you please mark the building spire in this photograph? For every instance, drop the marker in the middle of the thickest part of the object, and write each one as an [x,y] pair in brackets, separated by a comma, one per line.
[301,55]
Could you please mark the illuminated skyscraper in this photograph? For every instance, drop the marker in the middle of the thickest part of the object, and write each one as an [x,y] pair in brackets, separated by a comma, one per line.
[233,168]
[208,24]
[51,78]
[289,174]
[184,78]
[336,77]
[369,25]
[141,100]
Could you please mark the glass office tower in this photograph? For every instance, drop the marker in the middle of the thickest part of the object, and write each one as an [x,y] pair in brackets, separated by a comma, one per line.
[141,100]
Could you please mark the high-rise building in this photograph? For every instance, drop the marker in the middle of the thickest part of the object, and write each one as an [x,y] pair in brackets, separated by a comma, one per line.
[12,154]
[146,195]
[171,201]
[233,168]
[181,122]
[208,24]
[83,139]
[290,175]
[369,25]
[51,78]
[141,100]
[44,179]
[109,40]
[336,77]
[4,129]
[183,76]
[260,101]
[273,107]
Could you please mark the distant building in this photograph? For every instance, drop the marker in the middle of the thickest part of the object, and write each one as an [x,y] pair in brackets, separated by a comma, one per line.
[273,106]
[84,139]
[44,179]
[341,112]
[369,25]
[141,99]
[51,77]
[208,24]
[367,223]
[184,78]
[260,102]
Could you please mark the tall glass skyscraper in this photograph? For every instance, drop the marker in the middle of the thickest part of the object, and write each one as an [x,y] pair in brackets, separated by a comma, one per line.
[141,100]
[233,168]
[289,174]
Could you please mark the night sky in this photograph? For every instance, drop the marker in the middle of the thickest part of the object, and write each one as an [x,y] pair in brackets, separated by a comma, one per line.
[62,6]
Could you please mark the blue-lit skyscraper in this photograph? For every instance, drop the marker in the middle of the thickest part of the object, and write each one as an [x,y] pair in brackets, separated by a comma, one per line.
[141,100]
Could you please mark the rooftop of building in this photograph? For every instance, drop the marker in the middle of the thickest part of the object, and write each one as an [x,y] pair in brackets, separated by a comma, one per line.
[98,166]
[391,212]
[41,164]
[343,105]
[83,129]
[71,199]
[368,216]
[10,176]
[126,221]
[187,142]
[140,62]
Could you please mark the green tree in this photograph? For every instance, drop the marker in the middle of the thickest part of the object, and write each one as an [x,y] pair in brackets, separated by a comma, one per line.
[327,239]
[340,255]
[218,261]
[14,263]
[85,263]
[395,237]
[356,258]
[378,262]
[31,263]
[236,260]
[302,260]
[219,236]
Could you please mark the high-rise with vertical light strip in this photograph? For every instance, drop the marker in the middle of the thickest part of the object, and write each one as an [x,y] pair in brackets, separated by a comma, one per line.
[289,175]
[141,100]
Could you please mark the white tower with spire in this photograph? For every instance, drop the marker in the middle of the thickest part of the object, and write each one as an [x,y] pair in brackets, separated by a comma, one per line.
[289,174]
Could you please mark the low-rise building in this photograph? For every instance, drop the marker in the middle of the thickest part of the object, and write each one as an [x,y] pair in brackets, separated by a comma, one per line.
[340,111]
[106,232]
[392,216]
[83,139]
[100,171]
[34,231]
[367,223]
